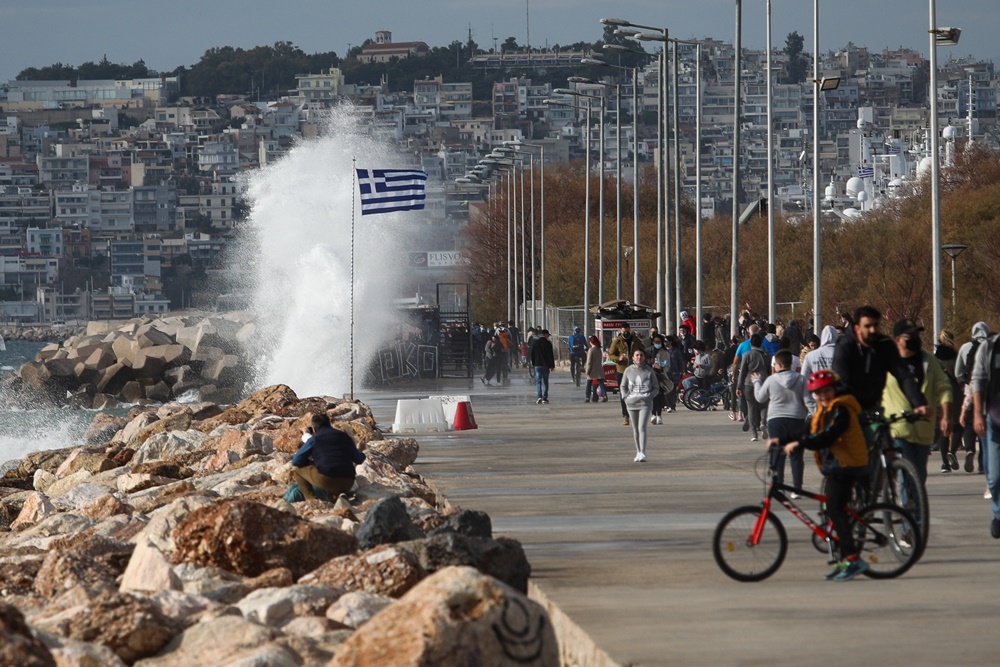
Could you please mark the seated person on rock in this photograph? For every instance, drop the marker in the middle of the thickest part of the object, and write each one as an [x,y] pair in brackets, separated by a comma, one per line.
[326,459]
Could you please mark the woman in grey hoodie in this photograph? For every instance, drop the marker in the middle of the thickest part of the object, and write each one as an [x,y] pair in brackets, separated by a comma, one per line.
[784,392]
[638,387]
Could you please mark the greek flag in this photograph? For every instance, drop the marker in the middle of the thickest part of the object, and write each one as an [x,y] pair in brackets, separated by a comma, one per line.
[892,149]
[866,172]
[387,190]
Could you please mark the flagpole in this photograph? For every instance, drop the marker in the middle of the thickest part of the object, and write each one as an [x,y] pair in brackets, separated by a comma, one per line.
[354,171]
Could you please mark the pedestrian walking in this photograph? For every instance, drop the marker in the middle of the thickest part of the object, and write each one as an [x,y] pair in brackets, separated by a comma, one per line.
[638,386]
[543,361]
[595,373]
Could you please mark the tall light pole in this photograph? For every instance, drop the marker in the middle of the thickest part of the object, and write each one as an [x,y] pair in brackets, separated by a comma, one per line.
[586,218]
[512,145]
[663,294]
[635,167]
[734,287]
[817,229]
[772,290]
[954,250]
[943,37]
[678,282]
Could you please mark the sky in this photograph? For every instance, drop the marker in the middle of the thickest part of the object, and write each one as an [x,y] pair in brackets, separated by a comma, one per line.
[167,34]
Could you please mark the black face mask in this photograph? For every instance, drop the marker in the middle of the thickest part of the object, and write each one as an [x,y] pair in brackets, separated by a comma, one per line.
[626,335]
[913,343]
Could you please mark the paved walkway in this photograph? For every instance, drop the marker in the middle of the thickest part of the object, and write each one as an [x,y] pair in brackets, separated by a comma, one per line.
[625,548]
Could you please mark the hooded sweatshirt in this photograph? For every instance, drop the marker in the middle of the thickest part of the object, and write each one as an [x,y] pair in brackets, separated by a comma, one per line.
[639,385]
[784,392]
[963,365]
[819,359]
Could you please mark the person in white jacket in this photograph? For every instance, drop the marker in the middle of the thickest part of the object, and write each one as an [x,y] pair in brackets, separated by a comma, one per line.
[784,394]
[638,387]
[819,359]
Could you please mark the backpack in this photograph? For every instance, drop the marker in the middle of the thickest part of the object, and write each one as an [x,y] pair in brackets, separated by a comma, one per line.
[970,360]
[577,344]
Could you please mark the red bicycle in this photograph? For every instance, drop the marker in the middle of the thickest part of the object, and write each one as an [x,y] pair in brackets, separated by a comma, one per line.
[750,542]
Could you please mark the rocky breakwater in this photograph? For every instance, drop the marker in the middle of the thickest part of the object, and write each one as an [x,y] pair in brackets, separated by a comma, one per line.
[146,359]
[40,334]
[166,542]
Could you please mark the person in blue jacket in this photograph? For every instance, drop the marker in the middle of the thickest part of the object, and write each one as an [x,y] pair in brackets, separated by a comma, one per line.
[326,459]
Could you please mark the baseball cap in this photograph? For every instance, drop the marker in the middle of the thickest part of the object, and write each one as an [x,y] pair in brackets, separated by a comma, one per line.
[906,326]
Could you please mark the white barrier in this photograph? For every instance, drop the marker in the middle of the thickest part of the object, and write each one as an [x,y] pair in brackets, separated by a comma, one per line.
[420,415]
[450,403]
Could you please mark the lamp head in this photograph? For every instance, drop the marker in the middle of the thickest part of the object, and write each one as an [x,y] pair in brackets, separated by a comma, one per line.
[593,61]
[615,22]
[946,36]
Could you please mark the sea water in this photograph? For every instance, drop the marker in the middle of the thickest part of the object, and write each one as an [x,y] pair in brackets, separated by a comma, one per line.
[295,250]
[300,260]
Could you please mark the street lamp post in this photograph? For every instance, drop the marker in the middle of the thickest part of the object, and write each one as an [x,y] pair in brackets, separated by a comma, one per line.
[954,250]
[735,270]
[817,229]
[943,37]
[772,290]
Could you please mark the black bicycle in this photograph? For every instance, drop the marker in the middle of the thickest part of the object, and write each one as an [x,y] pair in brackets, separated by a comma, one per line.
[716,396]
[750,542]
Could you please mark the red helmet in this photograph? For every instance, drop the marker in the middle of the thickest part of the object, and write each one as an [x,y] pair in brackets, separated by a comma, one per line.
[823,378]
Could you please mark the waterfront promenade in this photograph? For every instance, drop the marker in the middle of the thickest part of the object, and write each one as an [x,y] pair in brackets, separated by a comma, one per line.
[625,548]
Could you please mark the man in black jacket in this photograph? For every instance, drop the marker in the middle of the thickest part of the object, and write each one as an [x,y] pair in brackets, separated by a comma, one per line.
[542,360]
[862,357]
[326,459]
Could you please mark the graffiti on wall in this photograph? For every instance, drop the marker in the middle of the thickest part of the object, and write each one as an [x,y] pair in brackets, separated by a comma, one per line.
[407,361]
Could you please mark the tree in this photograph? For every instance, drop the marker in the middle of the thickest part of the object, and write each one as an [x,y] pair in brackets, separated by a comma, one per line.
[795,69]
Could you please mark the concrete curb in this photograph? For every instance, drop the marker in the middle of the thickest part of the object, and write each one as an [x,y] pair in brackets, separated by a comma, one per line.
[576,648]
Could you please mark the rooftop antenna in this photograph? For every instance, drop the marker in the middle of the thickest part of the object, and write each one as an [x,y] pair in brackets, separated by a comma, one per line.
[527,23]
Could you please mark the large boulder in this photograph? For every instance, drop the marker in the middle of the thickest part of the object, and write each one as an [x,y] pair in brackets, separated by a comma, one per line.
[18,645]
[274,607]
[269,400]
[383,570]
[130,625]
[401,452]
[502,558]
[248,538]
[226,640]
[455,618]
[103,427]
[386,522]
[114,378]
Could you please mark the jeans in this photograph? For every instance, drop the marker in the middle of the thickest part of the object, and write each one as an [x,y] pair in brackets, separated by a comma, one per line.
[916,454]
[991,463]
[639,418]
[542,382]
[788,429]
[592,393]
[621,399]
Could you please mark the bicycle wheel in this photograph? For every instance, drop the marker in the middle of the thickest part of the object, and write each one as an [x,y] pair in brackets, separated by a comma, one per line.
[889,539]
[698,400]
[904,489]
[737,557]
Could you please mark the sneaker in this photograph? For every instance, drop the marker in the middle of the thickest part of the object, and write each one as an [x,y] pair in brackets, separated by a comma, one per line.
[604,400]
[995,529]
[545,401]
[635,459]
[538,400]
[732,417]
[746,426]
[640,458]
[945,468]
[754,439]
[853,569]
[952,461]
[794,496]
[483,380]
[837,569]
[970,462]
[659,419]
[988,495]
[625,421]
[652,420]
[586,400]
[669,409]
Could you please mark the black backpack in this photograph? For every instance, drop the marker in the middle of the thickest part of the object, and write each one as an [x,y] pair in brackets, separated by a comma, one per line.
[970,361]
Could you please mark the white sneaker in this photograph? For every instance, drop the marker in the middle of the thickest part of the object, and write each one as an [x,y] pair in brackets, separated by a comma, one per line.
[641,458]
[652,420]
[659,419]
[988,495]
[636,458]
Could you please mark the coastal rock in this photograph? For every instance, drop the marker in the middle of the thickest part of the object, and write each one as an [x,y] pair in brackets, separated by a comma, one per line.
[72,653]
[131,626]
[114,378]
[467,522]
[42,480]
[91,459]
[383,570]
[103,428]
[159,531]
[248,538]
[169,445]
[64,485]
[356,608]
[186,609]
[387,522]
[226,640]
[179,421]
[80,496]
[18,572]
[104,506]
[36,507]
[136,424]
[271,400]
[63,570]
[148,571]
[133,482]
[274,607]
[18,645]
[401,452]
[454,618]
[235,445]
[212,583]
[502,558]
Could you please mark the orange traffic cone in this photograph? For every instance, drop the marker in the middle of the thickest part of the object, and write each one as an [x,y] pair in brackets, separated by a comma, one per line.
[464,419]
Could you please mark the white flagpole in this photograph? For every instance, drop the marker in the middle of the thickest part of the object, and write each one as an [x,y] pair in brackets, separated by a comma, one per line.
[354,171]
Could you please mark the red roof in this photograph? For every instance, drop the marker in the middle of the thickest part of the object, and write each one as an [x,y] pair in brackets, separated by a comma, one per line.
[394,46]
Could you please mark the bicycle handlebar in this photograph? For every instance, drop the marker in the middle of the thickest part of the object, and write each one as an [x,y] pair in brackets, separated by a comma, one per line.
[879,418]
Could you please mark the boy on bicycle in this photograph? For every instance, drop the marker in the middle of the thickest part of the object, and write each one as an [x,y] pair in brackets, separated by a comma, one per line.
[838,443]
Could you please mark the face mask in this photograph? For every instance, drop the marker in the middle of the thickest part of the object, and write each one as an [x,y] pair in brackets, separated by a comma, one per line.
[626,335]
[637,363]
[657,346]
[913,344]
